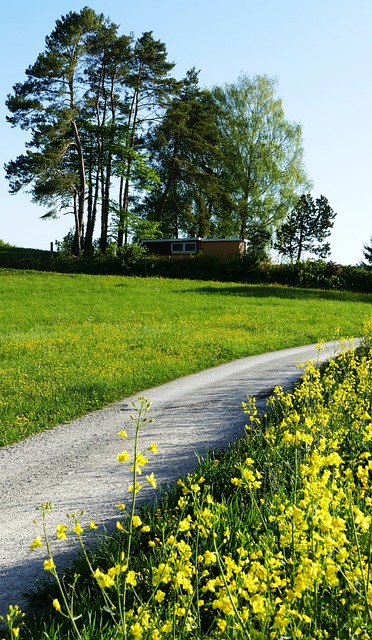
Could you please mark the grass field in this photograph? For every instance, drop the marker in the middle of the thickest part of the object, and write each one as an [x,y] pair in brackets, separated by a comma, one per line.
[70,344]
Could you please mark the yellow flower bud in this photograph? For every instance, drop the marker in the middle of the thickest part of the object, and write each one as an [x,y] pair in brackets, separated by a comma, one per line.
[56,604]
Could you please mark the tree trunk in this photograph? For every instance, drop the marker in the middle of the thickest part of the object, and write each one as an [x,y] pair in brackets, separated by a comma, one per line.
[123,205]
[169,181]
[79,218]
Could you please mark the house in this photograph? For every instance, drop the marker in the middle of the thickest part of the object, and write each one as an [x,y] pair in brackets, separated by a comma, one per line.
[221,247]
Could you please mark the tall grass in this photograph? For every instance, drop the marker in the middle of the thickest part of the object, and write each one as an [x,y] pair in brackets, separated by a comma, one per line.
[270,540]
[70,344]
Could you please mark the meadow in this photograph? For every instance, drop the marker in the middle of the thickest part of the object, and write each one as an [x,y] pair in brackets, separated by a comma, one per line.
[70,344]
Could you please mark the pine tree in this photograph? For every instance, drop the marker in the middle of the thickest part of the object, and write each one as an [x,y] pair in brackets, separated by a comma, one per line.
[48,104]
[305,229]
[367,252]
[183,148]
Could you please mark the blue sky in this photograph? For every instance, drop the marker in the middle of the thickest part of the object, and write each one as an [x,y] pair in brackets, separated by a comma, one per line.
[320,51]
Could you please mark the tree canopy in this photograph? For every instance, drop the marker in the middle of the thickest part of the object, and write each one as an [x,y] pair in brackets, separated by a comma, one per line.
[121,144]
[261,164]
[306,228]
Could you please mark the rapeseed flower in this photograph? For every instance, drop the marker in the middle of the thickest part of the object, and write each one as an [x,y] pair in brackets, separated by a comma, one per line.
[136,521]
[49,565]
[134,488]
[124,456]
[136,631]
[104,580]
[151,480]
[61,532]
[78,529]
[37,542]
[289,554]
[159,596]
[131,578]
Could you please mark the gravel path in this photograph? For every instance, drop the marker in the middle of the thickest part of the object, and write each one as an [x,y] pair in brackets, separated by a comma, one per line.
[74,465]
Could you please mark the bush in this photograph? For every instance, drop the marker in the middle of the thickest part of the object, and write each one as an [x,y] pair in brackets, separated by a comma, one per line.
[132,260]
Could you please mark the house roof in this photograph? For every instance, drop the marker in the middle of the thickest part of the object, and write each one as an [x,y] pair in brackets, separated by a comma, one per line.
[193,239]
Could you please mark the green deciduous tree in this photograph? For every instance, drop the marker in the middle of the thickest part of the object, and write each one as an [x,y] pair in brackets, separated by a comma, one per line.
[306,228]
[262,158]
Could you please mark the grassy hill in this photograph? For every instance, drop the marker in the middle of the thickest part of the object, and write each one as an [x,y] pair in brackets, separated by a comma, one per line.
[72,343]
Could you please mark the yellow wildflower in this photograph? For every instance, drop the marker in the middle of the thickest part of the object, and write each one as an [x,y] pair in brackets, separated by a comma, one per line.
[124,456]
[61,532]
[195,487]
[104,580]
[258,605]
[49,565]
[131,578]
[184,525]
[140,462]
[237,481]
[134,488]
[151,480]
[159,596]
[36,543]
[362,520]
[224,604]
[221,624]
[136,630]
[210,557]
[78,529]
[136,521]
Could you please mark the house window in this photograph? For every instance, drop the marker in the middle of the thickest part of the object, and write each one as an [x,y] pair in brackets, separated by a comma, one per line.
[183,247]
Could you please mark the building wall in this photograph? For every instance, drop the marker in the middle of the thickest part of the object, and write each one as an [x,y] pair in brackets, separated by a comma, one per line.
[158,248]
[221,248]
[209,247]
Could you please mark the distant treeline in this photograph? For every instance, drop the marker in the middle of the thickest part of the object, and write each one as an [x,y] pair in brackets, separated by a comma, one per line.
[131,151]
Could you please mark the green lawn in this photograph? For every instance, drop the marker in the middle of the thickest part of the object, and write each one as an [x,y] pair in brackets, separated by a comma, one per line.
[72,343]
